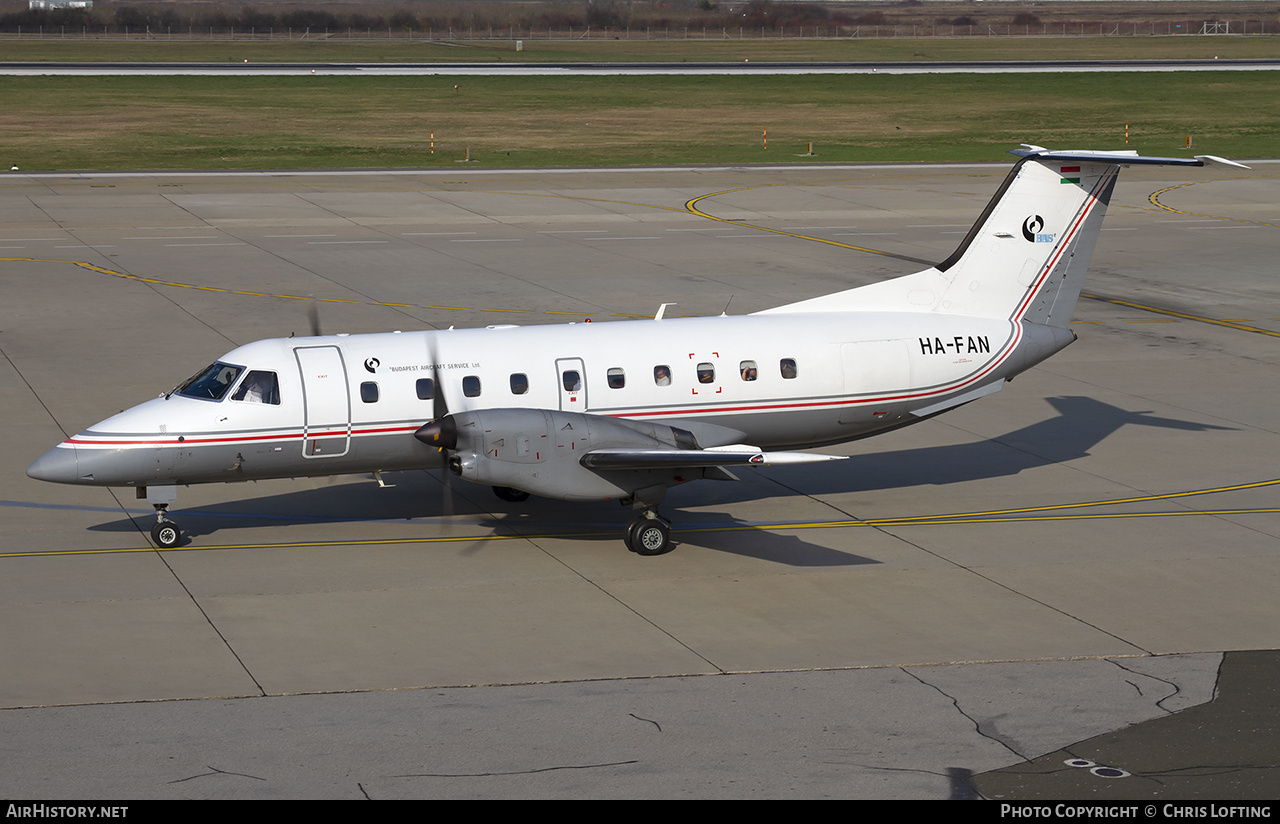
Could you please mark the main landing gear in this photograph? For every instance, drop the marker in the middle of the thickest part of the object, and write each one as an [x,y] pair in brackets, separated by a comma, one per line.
[649,535]
[510,494]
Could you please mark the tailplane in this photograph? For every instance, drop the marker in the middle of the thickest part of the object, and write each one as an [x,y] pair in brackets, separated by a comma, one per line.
[1026,256]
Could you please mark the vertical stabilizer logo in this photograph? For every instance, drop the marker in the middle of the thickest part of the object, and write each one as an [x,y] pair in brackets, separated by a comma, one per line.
[1031,230]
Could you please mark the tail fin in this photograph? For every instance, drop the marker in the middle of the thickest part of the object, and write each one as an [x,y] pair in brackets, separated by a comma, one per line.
[1025,257]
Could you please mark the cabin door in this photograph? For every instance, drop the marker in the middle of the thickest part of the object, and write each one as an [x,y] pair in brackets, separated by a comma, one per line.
[326,428]
[572,380]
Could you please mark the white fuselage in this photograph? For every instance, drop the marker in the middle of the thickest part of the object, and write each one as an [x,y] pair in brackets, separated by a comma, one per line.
[352,403]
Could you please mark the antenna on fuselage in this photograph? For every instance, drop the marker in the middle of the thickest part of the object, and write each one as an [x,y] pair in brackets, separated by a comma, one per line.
[662,309]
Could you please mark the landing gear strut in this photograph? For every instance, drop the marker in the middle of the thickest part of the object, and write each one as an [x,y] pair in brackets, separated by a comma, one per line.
[649,535]
[164,532]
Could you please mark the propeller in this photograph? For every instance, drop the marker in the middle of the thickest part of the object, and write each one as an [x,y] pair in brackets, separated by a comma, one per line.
[441,431]
[313,315]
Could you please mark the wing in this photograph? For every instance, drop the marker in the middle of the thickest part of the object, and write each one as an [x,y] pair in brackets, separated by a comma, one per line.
[734,455]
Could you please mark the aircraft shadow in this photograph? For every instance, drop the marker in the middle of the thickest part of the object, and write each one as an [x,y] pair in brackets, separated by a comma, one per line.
[1080,425]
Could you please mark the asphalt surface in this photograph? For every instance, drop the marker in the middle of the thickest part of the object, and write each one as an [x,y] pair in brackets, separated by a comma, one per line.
[1081,566]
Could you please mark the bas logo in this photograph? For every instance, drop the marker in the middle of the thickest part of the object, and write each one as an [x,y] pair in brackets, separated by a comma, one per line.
[1031,230]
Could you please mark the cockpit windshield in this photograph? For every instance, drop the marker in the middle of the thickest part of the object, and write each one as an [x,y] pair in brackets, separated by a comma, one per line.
[211,383]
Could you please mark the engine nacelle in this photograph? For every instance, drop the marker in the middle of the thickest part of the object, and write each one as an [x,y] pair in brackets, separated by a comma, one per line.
[540,451]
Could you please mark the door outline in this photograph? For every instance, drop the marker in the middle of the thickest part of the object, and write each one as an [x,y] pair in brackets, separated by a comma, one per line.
[326,401]
[571,400]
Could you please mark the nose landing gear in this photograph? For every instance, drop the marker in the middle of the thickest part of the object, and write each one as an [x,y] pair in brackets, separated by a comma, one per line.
[165,532]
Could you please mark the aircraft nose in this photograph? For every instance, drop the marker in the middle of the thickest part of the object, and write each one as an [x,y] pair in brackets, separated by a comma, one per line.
[58,465]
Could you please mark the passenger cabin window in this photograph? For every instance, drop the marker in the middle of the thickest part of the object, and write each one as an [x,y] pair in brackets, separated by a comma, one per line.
[572,380]
[426,389]
[471,386]
[662,375]
[519,384]
[212,383]
[748,370]
[369,392]
[259,387]
[617,378]
[706,373]
[788,367]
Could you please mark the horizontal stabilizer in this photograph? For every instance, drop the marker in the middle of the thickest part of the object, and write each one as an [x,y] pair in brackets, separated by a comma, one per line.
[1127,157]
[735,455]
[1221,161]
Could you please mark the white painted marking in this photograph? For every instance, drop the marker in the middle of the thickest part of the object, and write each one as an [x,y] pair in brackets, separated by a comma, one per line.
[619,170]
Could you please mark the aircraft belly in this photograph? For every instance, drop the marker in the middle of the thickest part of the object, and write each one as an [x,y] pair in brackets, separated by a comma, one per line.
[243,461]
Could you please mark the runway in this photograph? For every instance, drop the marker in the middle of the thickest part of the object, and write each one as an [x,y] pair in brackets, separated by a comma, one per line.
[638,68]
[1053,572]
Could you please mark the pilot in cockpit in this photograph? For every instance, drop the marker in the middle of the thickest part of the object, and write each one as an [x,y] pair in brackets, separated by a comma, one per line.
[259,387]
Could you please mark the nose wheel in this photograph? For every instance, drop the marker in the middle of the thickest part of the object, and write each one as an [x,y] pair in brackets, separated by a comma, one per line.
[164,532]
[649,535]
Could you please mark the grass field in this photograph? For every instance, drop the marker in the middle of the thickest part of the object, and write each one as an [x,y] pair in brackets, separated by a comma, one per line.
[65,123]
[561,51]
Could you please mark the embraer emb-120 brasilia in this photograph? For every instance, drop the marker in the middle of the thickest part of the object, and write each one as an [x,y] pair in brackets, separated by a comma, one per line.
[626,410]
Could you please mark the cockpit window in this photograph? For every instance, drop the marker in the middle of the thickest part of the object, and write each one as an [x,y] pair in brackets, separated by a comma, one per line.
[212,383]
[259,387]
